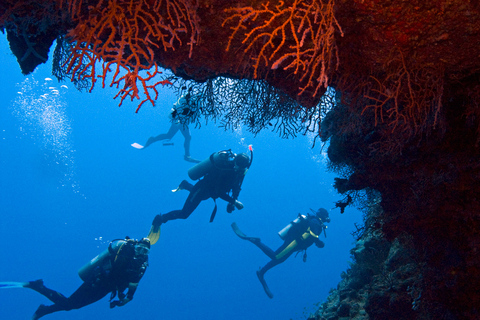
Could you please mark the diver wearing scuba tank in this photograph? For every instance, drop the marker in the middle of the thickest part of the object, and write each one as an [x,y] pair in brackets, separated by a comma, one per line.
[300,234]
[180,115]
[221,176]
[116,270]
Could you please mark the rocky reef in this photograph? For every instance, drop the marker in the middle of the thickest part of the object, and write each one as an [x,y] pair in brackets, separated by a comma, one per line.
[384,281]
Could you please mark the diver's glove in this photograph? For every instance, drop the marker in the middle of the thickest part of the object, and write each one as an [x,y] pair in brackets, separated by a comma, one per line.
[319,243]
[238,205]
[232,205]
[119,303]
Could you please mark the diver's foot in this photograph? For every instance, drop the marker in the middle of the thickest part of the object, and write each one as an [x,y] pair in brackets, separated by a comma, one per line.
[34,285]
[185,185]
[264,284]
[190,159]
[149,141]
[41,311]
[238,205]
[254,240]
[157,221]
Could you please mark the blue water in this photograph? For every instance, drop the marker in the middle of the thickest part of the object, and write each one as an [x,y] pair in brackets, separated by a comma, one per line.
[71,182]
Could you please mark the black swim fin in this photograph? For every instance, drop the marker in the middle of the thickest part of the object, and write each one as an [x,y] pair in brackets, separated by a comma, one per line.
[242,235]
[239,232]
[8,285]
[264,284]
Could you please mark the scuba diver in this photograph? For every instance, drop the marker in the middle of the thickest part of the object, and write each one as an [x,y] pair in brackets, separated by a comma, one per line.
[300,234]
[221,173]
[115,270]
[180,109]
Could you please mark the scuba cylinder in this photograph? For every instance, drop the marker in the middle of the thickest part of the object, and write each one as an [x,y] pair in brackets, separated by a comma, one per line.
[102,262]
[283,233]
[200,169]
[87,272]
[221,160]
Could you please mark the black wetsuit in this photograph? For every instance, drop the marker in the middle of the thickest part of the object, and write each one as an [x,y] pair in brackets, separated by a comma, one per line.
[301,236]
[216,184]
[125,269]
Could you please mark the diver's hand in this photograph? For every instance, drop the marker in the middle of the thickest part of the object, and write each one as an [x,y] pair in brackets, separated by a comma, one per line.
[238,205]
[319,243]
[119,303]
[230,207]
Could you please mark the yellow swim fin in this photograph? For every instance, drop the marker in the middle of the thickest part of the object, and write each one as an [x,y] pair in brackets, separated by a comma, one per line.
[154,234]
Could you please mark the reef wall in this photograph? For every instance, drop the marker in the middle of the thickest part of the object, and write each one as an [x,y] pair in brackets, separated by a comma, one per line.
[406,123]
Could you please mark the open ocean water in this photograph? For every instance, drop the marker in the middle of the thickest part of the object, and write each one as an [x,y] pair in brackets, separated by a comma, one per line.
[71,182]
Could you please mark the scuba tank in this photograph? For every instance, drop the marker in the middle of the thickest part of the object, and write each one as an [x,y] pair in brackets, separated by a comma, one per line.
[283,233]
[102,262]
[200,169]
[222,160]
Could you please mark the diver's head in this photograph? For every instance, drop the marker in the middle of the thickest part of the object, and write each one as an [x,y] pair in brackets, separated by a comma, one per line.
[173,114]
[322,214]
[142,248]
[242,160]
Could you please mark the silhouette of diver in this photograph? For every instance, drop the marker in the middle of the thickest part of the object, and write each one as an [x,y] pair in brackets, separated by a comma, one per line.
[300,234]
[223,172]
[181,108]
[115,270]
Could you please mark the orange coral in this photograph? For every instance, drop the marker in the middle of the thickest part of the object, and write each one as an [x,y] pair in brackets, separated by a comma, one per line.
[407,96]
[122,33]
[414,92]
[298,36]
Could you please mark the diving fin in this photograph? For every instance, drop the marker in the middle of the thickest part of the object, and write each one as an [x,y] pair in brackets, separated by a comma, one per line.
[154,234]
[243,236]
[264,285]
[239,232]
[8,285]
[190,159]
[137,146]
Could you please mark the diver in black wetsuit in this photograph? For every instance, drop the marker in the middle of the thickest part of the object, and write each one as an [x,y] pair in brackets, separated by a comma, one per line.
[298,236]
[117,269]
[223,172]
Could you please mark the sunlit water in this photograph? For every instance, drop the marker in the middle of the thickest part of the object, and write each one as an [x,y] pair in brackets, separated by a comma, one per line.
[71,183]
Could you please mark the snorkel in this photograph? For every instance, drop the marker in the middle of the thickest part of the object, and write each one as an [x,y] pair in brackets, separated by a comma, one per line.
[251,155]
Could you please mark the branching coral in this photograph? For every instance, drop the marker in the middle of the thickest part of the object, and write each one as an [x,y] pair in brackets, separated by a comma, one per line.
[297,36]
[409,94]
[60,60]
[121,34]
[255,104]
